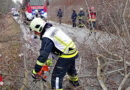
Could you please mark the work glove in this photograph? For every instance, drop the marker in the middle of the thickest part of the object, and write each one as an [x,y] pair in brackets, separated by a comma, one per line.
[49,62]
[35,76]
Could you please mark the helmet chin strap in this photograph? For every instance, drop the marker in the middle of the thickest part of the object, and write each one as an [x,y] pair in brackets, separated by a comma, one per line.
[41,29]
[37,33]
[42,32]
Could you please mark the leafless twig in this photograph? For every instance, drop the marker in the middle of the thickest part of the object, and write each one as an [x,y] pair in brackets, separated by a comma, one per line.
[123,81]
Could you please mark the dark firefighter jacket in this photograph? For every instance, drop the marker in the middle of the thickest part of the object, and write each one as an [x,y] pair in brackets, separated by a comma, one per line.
[74,15]
[59,14]
[81,14]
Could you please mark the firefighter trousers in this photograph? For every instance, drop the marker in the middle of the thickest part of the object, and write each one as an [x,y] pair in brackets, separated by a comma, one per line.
[63,66]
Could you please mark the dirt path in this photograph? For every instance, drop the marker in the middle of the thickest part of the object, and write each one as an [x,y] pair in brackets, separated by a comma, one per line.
[89,48]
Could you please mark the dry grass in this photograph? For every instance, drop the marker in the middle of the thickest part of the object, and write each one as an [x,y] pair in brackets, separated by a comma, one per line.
[10,49]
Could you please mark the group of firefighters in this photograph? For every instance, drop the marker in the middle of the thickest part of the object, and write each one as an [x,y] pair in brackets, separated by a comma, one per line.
[91,17]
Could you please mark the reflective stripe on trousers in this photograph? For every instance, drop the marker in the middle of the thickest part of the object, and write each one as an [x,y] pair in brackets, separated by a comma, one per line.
[57,83]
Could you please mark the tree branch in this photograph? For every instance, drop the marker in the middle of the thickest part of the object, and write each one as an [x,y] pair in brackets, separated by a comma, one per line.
[123,81]
[100,78]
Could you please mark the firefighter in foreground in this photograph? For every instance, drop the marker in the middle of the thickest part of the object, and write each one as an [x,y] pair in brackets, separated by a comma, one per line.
[92,19]
[54,40]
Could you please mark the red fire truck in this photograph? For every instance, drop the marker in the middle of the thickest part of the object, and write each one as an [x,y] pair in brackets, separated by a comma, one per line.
[32,7]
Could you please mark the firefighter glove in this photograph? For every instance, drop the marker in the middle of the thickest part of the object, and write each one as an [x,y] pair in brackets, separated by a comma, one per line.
[35,76]
[49,62]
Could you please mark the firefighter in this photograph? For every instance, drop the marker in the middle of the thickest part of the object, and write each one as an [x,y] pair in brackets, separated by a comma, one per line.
[55,41]
[60,15]
[1,81]
[92,19]
[36,13]
[81,15]
[73,17]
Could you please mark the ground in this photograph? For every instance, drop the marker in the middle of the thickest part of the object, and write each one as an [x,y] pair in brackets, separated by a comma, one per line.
[10,48]
[19,53]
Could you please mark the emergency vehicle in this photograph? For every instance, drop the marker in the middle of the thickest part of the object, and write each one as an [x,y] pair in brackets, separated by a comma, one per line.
[31,6]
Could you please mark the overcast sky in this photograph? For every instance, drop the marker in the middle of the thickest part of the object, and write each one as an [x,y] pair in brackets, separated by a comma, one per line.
[17,0]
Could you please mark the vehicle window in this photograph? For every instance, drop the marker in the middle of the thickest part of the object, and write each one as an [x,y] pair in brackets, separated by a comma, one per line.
[36,2]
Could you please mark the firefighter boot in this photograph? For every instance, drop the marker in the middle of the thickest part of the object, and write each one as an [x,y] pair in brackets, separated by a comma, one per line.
[74,80]
[94,32]
[90,32]
[74,83]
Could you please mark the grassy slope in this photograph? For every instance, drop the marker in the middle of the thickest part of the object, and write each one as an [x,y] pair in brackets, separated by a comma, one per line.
[10,48]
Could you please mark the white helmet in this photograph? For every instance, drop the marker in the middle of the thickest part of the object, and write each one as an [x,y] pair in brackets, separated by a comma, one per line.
[37,24]
[81,8]
[36,11]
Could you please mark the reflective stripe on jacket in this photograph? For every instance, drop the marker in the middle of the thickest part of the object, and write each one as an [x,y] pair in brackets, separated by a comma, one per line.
[61,41]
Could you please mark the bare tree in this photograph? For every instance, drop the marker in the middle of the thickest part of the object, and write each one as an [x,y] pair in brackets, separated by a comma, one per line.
[115,53]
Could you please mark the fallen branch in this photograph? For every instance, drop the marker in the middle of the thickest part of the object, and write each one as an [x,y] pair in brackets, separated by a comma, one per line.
[113,71]
[123,81]
[79,69]
[100,78]
[110,58]
[25,71]
[110,52]
[4,74]
[128,63]
[25,81]
[126,4]
[87,76]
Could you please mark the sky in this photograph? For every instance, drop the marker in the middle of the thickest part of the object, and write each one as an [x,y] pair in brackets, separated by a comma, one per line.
[17,0]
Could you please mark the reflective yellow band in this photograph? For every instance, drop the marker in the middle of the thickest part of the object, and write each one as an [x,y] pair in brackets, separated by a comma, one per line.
[39,63]
[59,40]
[59,89]
[92,19]
[73,45]
[75,78]
[69,56]
[34,72]
[72,51]
[67,46]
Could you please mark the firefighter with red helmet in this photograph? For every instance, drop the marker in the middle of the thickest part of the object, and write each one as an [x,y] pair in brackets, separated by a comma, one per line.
[55,41]
[92,19]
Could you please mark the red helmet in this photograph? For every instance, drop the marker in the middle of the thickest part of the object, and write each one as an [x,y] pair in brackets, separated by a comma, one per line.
[92,8]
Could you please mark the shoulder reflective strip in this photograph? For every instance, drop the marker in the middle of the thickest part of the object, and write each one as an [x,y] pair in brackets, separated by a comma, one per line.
[69,56]
[62,42]
[39,63]
[34,72]
[67,46]
[57,83]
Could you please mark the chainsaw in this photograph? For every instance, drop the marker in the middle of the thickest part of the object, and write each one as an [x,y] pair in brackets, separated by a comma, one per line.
[42,75]
[44,72]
